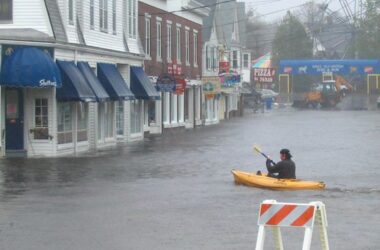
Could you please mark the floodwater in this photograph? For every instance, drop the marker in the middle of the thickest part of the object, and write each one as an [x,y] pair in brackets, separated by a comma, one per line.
[176,191]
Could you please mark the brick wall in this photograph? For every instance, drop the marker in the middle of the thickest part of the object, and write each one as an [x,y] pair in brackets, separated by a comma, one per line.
[156,68]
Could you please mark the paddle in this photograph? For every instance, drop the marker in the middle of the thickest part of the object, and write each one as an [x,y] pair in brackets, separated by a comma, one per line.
[257,149]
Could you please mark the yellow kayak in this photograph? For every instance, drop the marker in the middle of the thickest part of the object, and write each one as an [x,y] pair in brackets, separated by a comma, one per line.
[263,181]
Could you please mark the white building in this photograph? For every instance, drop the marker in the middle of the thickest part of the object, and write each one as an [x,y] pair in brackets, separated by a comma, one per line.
[225,56]
[72,90]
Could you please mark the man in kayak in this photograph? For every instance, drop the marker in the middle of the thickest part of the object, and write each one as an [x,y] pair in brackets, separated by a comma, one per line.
[285,169]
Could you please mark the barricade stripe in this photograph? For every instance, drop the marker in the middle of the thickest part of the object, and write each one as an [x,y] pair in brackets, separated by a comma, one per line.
[294,215]
[304,218]
[281,214]
[264,208]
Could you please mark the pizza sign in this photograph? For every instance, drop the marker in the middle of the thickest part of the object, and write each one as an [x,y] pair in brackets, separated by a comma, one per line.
[264,75]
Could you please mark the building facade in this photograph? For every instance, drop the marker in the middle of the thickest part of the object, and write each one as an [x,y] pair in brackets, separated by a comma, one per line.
[225,56]
[172,42]
[71,76]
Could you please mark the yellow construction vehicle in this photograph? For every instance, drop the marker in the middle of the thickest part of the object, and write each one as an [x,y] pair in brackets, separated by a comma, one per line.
[324,94]
[342,85]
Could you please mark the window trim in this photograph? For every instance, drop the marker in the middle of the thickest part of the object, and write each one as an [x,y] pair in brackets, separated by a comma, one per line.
[159,40]
[148,31]
[178,44]
[169,37]
[41,116]
[187,46]
[195,48]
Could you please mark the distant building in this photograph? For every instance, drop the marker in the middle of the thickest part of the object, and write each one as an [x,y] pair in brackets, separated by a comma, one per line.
[171,33]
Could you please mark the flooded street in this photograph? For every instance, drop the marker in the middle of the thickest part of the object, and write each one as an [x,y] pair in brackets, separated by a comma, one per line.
[177,192]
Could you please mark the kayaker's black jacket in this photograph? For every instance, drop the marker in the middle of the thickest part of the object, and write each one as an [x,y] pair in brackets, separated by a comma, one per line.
[286,169]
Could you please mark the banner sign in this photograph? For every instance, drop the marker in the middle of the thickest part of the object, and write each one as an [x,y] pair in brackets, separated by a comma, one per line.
[224,67]
[318,67]
[180,85]
[264,75]
[211,86]
[166,83]
[229,80]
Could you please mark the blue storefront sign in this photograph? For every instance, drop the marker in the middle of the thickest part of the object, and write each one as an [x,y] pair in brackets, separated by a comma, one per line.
[229,80]
[340,67]
[166,83]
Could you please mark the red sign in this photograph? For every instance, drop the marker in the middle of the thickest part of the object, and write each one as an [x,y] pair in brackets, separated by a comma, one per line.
[264,75]
[180,85]
[224,67]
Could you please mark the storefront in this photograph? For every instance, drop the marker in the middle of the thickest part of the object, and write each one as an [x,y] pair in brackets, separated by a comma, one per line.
[112,114]
[173,100]
[230,83]
[143,109]
[211,93]
[29,78]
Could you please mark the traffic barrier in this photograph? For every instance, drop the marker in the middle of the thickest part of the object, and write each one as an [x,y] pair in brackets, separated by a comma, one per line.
[303,215]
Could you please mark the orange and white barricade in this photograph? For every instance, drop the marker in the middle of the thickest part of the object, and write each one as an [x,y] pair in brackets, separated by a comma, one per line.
[275,215]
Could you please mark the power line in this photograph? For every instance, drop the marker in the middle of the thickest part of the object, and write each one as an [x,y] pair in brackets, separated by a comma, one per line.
[189,9]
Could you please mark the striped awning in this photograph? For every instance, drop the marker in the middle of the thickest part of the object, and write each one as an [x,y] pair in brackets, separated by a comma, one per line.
[264,61]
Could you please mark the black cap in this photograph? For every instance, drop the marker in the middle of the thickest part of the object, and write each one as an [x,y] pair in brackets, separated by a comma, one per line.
[286,152]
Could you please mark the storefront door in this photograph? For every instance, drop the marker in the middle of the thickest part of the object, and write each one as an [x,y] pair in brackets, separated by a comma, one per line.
[14,121]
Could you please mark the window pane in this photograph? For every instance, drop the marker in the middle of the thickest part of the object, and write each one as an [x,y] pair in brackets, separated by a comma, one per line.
[6,10]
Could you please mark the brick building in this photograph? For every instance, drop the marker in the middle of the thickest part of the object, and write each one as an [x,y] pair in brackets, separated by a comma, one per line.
[171,35]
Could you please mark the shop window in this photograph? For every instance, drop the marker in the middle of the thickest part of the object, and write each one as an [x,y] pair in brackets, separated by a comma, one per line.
[120,118]
[109,119]
[82,113]
[64,123]
[6,10]
[173,108]
[41,130]
[136,106]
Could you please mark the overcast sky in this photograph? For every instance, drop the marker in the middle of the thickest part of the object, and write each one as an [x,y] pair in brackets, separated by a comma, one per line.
[265,8]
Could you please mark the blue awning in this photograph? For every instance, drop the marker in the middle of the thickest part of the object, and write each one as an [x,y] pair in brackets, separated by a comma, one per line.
[113,82]
[29,67]
[74,85]
[93,81]
[141,86]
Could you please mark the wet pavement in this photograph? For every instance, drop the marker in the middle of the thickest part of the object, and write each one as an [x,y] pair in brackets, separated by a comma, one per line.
[177,192]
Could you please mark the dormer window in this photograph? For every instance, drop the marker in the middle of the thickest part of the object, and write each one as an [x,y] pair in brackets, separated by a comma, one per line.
[103,15]
[6,10]
[71,12]
[132,18]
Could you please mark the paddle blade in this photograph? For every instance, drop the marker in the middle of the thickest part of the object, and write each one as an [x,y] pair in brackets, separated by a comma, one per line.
[256,149]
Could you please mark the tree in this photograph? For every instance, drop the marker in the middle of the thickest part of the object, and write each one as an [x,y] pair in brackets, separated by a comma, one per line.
[259,34]
[367,35]
[291,40]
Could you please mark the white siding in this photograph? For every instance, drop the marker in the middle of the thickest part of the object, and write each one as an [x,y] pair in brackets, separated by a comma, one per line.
[98,38]
[29,14]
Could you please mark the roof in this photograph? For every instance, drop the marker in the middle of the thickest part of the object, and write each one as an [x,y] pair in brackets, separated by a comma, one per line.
[208,21]
[25,35]
[56,20]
